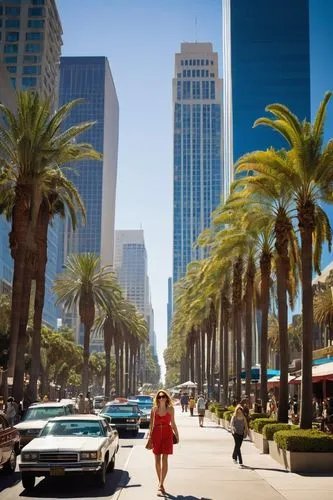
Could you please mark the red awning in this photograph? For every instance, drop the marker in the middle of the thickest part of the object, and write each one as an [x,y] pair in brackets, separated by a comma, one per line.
[320,373]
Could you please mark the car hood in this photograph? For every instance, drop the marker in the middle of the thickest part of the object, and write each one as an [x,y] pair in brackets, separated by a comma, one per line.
[65,443]
[31,424]
[120,415]
[146,411]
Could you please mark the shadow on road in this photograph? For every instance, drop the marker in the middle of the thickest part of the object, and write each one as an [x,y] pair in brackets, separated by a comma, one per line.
[248,467]
[79,487]
[9,480]
[187,497]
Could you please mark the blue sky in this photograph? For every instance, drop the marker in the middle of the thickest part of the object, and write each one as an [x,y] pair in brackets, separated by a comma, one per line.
[140,38]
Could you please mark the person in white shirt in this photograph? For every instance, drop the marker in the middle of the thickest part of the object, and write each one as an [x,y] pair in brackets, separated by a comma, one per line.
[201,407]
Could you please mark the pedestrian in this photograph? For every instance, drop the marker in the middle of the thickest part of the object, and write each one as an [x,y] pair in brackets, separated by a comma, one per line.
[239,429]
[10,411]
[246,410]
[162,430]
[201,408]
[81,404]
[191,404]
[89,403]
[184,402]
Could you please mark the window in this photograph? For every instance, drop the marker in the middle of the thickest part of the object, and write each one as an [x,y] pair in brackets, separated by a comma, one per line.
[12,23]
[10,48]
[11,59]
[31,70]
[182,63]
[31,59]
[12,36]
[36,11]
[34,36]
[38,2]
[32,47]
[212,75]
[12,11]
[1,11]
[212,90]
[29,82]
[186,62]
[36,23]
[11,69]
[205,90]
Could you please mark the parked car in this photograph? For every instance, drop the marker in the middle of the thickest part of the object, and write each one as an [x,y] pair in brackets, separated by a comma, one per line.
[75,444]
[9,445]
[124,416]
[145,404]
[99,403]
[36,417]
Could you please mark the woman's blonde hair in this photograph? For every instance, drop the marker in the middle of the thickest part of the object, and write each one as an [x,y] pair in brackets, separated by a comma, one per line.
[168,400]
[238,407]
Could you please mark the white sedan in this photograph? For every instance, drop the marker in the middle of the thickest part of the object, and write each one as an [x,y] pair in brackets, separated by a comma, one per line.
[70,445]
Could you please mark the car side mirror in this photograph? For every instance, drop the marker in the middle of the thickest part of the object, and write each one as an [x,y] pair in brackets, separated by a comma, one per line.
[107,418]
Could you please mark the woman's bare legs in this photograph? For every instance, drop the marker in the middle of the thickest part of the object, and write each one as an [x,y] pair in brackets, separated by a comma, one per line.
[158,468]
[164,470]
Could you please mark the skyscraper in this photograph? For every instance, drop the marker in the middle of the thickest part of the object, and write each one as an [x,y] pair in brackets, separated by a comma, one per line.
[132,271]
[31,33]
[169,306]
[197,95]
[266,59]
[90,78]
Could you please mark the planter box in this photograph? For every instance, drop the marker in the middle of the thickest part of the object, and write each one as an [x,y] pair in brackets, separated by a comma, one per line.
[296,461]
[209,414]
[215,418]
[260,442]
[251,435]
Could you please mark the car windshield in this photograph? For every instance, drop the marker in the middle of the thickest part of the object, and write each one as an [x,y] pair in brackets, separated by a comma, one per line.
[145,405]
[44,413]
[143,399]
[73,428]
[121,409]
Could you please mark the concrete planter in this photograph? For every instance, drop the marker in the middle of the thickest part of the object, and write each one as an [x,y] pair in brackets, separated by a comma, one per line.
[215,418]
[251,435]
[208,414]
[296,461]
[227,425]
[260,442]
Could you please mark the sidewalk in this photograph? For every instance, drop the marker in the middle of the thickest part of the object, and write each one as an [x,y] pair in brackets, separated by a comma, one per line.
[202,469]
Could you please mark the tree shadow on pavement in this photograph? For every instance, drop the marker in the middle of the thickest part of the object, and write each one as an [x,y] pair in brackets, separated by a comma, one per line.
[82,487]
[248,467]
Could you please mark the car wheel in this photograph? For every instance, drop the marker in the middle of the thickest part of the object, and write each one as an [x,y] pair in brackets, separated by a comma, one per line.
[28,481]
[101,476]
[10,465]
[112,463]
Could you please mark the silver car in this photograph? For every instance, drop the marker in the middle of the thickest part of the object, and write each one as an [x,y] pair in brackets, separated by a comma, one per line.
[77,444]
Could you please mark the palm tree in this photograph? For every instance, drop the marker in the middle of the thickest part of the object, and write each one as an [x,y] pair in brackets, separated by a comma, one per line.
[32,145]
[309,174]
[84,284]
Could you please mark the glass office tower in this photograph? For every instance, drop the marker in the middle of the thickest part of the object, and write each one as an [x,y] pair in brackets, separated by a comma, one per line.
[266,59]
[197,94]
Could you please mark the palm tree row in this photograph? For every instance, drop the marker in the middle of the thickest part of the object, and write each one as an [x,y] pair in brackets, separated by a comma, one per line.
[265,238]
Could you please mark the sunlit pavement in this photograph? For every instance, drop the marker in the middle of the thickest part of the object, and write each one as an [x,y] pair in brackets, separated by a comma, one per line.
[202,469]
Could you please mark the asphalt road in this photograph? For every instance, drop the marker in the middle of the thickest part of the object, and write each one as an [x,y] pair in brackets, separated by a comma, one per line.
[74,487]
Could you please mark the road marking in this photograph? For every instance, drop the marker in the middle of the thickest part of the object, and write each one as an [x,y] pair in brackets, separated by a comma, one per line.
[122,483]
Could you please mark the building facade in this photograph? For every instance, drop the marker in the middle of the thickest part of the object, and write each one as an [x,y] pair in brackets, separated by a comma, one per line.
[197,95]
[169,306]
[90,78]
[30,34]
[266,59]
[132,271]
[31,39]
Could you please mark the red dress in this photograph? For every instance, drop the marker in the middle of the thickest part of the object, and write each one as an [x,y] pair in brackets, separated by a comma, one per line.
[162,436]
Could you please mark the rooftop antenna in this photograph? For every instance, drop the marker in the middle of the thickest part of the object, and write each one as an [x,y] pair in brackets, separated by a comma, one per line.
[196,30]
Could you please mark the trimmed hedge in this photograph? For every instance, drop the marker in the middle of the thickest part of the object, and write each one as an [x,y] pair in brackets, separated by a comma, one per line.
[270,429]
[227,415]
[304,440]
[254,416]
[260,423]
[211,408]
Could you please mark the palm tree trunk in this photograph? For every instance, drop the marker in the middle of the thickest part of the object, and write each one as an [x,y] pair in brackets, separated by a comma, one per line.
[237,301]
[203,356]
[197,363]
[85,381]
[265,270]
[225,351]
[121,368]
[221,352]
[192,373]
[248,325]
[126,368]
[306,225]
[208,358]
[41,241]
[281,273]
[213,362]
[117,378]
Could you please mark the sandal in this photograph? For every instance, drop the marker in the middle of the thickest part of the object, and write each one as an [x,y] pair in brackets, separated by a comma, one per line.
[161,491]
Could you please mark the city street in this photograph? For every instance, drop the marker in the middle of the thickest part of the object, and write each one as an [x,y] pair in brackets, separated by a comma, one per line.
[201,469]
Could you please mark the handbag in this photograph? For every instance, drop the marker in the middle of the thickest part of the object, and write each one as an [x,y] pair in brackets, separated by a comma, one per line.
[149,444]
[174,438]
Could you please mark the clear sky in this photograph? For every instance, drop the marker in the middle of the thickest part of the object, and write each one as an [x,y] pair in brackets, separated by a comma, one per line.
[140,38]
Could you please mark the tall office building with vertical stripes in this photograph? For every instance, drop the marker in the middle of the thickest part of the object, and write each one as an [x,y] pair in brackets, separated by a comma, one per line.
[197,94]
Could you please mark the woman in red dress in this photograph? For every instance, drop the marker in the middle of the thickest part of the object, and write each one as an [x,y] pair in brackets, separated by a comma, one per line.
[162,426]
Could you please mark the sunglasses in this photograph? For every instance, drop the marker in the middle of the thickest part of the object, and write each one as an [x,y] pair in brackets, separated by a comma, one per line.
[161,396]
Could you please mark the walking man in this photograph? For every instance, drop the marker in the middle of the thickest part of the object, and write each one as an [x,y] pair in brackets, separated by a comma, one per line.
[201,407]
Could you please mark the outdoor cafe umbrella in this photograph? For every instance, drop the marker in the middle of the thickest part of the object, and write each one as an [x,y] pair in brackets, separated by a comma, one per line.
[187,385]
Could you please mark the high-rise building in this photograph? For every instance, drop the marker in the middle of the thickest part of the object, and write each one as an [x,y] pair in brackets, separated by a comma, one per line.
[266,59]
[90,78]
[197,95]
[31,32]
[132,271]
[169,306]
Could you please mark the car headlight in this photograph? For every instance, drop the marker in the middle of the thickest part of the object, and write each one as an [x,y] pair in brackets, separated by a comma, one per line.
[29,456]
[90,455]
[131,420]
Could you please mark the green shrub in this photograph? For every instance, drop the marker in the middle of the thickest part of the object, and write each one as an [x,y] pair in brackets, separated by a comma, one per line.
[254,416]
[259,423]
[231,408]
[227,415]
[211,408]
[304,440]
[220,413]
[270,429]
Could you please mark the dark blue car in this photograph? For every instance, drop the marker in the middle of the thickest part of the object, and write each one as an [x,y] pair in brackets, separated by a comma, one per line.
[124,416]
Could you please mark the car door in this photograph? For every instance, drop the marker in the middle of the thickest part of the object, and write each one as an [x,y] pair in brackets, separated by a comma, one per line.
[110,438]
